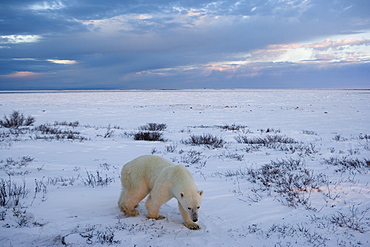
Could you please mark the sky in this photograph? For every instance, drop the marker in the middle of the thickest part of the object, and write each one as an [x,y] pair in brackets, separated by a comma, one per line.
[184,44]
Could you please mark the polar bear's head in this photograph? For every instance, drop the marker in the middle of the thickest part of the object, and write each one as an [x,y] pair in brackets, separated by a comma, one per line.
[191,203]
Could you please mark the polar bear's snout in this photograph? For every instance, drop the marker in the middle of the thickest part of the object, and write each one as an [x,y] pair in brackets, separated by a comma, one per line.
[194,216]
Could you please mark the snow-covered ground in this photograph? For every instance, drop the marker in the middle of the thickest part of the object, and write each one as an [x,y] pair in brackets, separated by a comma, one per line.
[291,167]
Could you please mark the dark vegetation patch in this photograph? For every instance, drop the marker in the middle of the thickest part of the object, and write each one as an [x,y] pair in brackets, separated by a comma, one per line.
[266,140]
[69,124]
[346,163]
[18,124]
[150,132]
[16,120]
[206,140]
[153,127]
[289,179]
[234,127]
[50,132]
[364,137]
[148,136]
[11,193]
[277,142]
[97,180]
[10,163]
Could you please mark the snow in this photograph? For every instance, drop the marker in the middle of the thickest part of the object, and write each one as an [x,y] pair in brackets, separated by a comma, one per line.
[236,211]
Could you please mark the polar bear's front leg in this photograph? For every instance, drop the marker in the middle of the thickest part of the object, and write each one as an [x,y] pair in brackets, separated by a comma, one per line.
[157,197]
[187,220]
[153,209]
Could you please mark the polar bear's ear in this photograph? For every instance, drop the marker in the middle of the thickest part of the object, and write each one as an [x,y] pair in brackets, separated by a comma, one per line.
[200,192]
[182,195]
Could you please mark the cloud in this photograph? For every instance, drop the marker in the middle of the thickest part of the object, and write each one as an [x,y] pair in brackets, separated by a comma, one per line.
[124,42]
[22,74]
[328,53]
[17,39]
[337,43]
[58,61]
[73,15]
[46,6]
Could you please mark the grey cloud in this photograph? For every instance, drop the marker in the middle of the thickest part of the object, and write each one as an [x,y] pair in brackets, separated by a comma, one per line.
[161,41]
[20,18]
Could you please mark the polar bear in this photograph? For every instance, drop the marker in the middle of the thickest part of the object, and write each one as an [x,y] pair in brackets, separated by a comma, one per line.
[162,180]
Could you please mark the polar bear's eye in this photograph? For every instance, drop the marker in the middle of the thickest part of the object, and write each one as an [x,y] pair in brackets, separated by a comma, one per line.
[198,207]
[189,208]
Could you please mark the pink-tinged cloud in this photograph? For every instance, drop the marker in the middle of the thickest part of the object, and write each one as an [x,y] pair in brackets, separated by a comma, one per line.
[279,57]
[343,51]
[283,46]
[23,74]
[320,45]
[336,43]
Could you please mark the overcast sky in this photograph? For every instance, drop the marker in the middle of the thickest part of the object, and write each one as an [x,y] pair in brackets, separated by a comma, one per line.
[165,44]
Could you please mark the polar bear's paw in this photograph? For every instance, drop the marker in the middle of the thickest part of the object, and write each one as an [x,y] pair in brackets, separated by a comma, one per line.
[132,213]
[192,226]
[158,217]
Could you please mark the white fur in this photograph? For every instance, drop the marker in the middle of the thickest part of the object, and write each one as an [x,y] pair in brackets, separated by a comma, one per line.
[162,180]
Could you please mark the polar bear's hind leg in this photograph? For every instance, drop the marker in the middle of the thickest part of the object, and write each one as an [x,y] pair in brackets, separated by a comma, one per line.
[129,200]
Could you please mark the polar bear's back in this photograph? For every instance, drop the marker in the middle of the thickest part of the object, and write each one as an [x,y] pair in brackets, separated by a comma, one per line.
[145,169]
